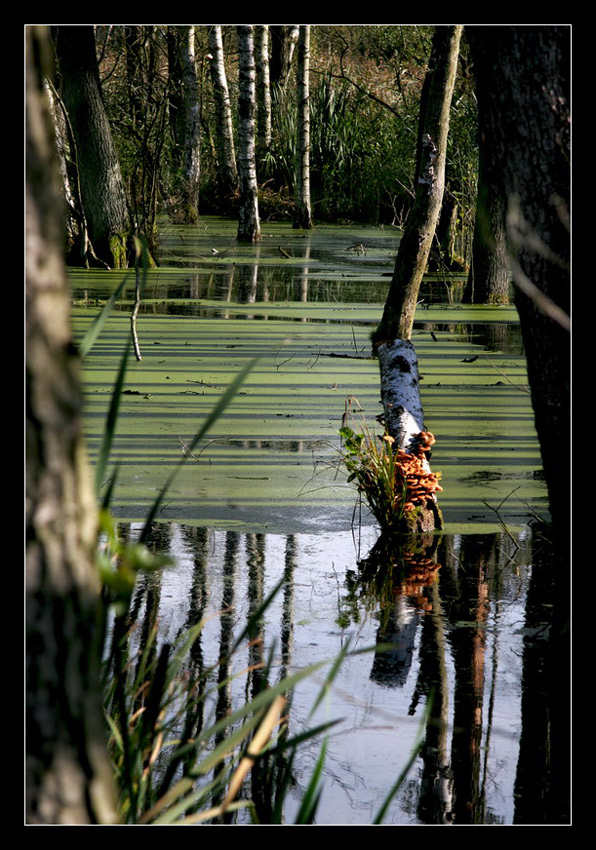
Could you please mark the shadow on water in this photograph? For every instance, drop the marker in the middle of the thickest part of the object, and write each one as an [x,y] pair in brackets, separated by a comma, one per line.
[466,625]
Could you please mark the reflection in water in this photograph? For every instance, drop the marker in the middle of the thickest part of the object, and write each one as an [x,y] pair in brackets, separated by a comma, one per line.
[545,741]
[452,609]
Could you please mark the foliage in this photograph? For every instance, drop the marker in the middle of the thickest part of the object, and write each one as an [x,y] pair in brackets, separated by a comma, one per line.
[392,481]
[366,83]
[133,63]
[371,463]
[171,764]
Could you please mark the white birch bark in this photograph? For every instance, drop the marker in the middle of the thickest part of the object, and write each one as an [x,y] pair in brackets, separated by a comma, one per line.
[192,162]
[303,215]
[249,229]
[263,90]
[400,392]
[228,171]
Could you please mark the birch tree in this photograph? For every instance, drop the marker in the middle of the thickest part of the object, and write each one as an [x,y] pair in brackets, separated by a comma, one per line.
[414,248]
[102,187]
[263,91]
[227,170]
[302,214]
[191,158]
[400,388]
[249,228]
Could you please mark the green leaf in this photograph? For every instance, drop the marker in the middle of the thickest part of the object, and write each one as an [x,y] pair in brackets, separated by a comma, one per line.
[110,429]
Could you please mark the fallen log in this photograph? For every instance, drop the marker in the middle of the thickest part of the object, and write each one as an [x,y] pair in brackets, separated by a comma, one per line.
[411,442]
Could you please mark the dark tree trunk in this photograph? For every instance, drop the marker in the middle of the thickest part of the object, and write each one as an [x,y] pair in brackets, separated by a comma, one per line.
[175,99]
[102,189]
[443,257]
[132,41]
[488,278]
[69,775]
[414,248]
[400,388]
[284,38]
[523,85]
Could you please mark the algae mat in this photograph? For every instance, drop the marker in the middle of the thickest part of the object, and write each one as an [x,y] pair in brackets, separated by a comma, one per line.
[270,462]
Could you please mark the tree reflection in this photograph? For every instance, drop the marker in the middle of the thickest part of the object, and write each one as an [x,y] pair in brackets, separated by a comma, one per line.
[441,605]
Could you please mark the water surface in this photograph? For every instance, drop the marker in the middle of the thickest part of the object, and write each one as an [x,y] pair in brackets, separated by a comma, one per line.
[264,498]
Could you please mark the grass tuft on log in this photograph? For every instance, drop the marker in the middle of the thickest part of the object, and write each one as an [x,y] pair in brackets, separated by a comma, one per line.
[395,483]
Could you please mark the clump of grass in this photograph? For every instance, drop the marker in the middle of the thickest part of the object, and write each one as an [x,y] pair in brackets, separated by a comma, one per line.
[394,482]
[174,765]
[373,466]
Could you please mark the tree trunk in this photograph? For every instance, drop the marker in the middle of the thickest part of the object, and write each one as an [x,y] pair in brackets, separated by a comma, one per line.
[227,168]
[175,99]
[302,213]
[191,160]
[523,86]
[488,279]
[284,38]
[249,229]
[400,391]
[414,248]
[444,255]
[102,189]
[77,236]
[263,92]
[69,775]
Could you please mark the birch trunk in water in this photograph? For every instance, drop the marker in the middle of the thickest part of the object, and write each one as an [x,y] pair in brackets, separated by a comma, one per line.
[69,774]
[227,171]
[400,389]
[303,215]
[249,228]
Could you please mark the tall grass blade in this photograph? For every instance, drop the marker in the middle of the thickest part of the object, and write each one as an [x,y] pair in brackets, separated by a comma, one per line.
[110,429]
[310,802]
[262,699]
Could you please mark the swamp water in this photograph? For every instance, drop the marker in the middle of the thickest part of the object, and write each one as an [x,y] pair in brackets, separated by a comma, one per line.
[262,499]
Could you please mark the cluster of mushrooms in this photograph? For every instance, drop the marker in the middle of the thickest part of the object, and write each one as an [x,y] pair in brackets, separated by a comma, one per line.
[421,483]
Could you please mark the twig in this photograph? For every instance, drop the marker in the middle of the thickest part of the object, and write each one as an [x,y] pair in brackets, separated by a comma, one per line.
[133,317]
[508,379]
[501,521]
